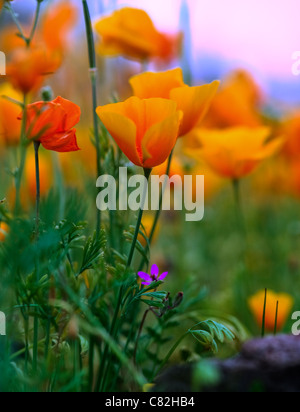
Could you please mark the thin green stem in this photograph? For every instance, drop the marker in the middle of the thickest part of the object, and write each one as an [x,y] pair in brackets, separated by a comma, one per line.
[276,318]
[159,211]
[170,353]
[38,187]
[263,329]
[23,150]
[113,329]
[147,173]
[35,23]
[93,76]
[139,334]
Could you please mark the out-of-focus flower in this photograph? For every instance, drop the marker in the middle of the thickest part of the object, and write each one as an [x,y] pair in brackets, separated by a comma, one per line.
[46,175]
[194,102]
[4,230]
[291,130]
[154,276]
[145,130]
[52,124]
[56,24]
[27,68]
[131,33]
[10,127]
[256,304]
[235,152]
[236,104]
[147,224]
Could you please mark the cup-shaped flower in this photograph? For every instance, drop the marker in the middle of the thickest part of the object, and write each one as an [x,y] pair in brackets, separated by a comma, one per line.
[285,305]
[52,124]
[148,85]
[130,32]
[145,130]
[194,102]
[235,152]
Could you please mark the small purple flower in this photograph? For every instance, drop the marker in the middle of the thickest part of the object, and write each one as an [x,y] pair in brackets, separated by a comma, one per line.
[154,277]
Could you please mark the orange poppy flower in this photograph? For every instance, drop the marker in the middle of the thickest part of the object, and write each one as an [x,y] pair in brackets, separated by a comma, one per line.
[10,127]
[256,304]
[28,67]
[46,175]
[148,85]
[236,104]
[4,230]
[145,130]
[235,152]
[291,130]
[56,25]
[131,33]
[194,102]
[52,124]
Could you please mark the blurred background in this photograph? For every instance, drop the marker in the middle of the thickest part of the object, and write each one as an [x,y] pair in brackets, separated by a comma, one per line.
[224,35]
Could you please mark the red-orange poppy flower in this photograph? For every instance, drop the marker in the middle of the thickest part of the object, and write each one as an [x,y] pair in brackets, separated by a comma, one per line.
[194,102]
[28,67]
[52,124]
[131,33]
[145,130]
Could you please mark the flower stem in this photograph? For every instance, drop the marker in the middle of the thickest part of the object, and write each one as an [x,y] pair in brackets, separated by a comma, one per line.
[158,213]
[23,149]
[93,76]
[276,318]
[38,187]
[264,315]
[139,334]
[139,221]
[103,372]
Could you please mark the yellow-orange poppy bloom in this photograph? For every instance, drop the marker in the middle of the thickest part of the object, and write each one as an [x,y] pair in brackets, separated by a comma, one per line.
[256,304]
[235,152]
[290,128]
[236,104]
[4,230]
[10,126]
[145,130]
[194,102]
[148,85]
[130,32]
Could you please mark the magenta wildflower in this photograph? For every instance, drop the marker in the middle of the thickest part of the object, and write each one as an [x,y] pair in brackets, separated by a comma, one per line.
[153,277]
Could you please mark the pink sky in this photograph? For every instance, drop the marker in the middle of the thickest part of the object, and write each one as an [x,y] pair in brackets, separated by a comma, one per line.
[259,33]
